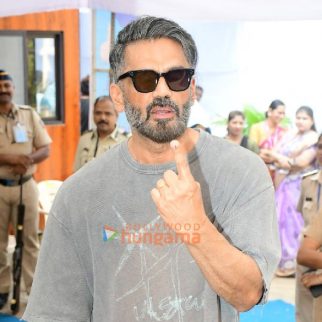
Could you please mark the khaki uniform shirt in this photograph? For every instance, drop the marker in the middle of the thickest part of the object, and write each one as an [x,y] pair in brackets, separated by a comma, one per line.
[37,136]
[89,142]
[311,196]
[315,231]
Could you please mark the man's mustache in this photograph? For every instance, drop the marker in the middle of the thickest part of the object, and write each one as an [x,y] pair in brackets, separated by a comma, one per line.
[162,101]
[4,94]
[102,122]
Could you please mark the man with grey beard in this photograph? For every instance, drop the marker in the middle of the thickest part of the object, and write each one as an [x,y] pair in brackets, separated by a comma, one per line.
[175,224]
[158,133]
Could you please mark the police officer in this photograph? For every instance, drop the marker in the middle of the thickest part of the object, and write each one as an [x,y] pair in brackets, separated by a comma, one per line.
[310,255]
[94,143]
[24,142]
[309,204]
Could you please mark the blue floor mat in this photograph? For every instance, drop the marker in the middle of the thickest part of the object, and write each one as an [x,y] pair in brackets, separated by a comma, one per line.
[8,318]
[273,311]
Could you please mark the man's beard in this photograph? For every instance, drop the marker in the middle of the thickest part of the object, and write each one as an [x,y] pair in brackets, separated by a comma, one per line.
[159,131]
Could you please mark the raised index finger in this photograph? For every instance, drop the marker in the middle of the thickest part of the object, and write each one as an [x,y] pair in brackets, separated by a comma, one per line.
[181,160]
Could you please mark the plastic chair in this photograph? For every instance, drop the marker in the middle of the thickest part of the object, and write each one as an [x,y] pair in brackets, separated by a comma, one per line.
[47,192]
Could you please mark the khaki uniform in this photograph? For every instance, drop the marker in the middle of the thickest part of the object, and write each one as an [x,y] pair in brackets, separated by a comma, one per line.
[311,196]
[309,203]
[315,231]
[90,147]
[9,195]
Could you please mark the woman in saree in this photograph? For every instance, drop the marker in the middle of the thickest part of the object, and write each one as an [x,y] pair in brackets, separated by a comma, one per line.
[235,127]
[267,134]
[293,157]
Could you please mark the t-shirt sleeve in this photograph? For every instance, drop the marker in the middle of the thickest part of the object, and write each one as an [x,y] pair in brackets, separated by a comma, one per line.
[41,137]
[261,241]
[314,230]
[249,219]
[60,290]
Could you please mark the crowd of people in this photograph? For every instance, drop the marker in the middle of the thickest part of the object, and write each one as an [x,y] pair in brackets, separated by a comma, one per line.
[157,175]
[293,158]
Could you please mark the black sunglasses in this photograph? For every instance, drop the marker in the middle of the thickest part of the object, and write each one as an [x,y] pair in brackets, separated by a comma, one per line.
[146,80]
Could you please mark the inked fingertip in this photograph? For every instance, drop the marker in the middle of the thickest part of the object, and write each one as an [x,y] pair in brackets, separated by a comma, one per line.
[174,144]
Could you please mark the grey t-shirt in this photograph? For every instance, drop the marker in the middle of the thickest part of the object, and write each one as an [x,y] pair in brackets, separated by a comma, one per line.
[107,255]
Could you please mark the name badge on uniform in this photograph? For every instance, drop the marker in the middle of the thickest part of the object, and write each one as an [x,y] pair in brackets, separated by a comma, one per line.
[20,133]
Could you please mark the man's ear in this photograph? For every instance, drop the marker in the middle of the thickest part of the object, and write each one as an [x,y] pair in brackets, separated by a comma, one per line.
[117,97]
[193,89]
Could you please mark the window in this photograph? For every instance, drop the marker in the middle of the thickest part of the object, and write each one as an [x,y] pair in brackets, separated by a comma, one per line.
[34,59]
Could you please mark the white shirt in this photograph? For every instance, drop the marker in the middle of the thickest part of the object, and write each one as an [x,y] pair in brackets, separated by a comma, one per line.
[198,115]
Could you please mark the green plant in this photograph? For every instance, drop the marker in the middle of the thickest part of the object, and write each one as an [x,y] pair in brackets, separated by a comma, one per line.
[252,116]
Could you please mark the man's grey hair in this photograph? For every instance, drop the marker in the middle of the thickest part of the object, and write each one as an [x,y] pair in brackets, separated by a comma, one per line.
[146,28]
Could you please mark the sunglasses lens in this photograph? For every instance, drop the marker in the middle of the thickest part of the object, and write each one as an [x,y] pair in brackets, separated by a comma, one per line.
[145,81]
[178,80]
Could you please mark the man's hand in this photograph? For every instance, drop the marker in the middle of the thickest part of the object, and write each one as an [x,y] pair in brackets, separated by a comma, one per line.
[266,155]
[311,279]
[178,197]
[283,162]
[19,169]
[19,163]
[21,160]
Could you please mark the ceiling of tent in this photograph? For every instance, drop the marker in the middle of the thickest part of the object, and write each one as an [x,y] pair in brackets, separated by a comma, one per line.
[219,10]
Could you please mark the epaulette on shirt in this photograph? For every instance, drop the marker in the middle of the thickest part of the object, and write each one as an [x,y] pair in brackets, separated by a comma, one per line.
[310,173]
[25,107]
[87,131]
[32,111]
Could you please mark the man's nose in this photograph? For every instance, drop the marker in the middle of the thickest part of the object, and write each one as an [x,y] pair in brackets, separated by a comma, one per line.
[162,88]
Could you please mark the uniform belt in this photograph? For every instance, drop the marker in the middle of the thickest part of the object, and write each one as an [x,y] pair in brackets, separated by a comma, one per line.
[13,183]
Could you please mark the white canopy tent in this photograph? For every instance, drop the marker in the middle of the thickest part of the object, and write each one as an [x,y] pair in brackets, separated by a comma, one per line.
[251,51]
[206,10]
